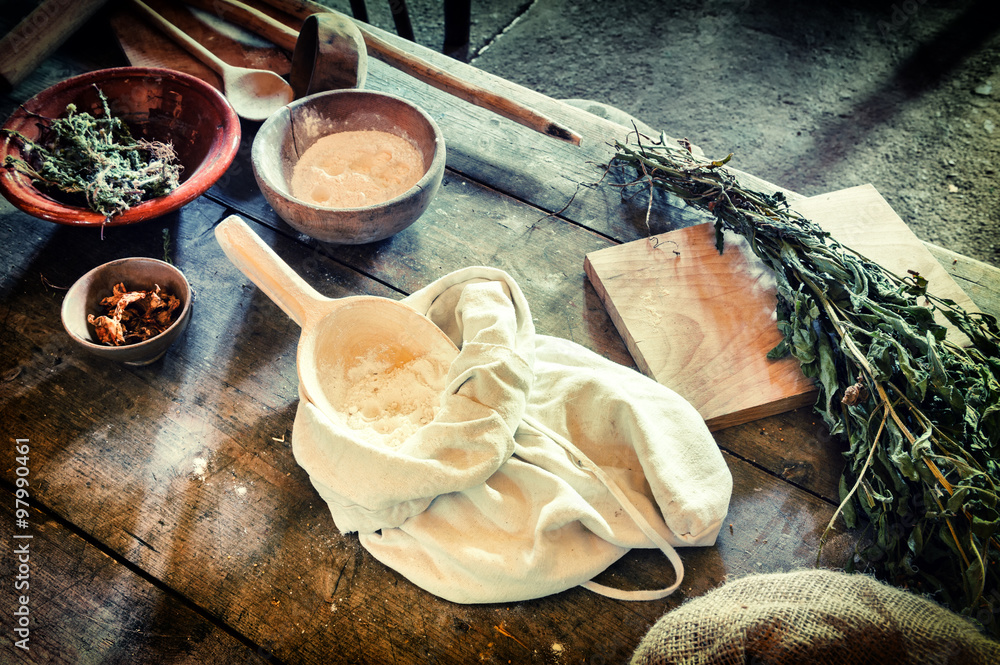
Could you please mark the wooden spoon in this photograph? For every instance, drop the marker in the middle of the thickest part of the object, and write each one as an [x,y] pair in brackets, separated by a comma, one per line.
[254,93]
[337,335]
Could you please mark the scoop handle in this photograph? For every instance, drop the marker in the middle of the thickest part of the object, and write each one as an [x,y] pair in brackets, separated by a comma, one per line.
[249,253]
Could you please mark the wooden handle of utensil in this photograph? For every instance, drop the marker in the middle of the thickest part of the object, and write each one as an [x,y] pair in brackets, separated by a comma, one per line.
[182,38]
[477,95]
[274,277]
[39,34]
[420,69]
[252,19]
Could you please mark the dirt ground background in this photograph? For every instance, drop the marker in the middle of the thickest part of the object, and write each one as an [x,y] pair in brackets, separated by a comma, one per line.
[815,96]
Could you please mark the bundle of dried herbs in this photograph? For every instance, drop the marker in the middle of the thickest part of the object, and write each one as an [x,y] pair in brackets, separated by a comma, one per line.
[129,317]
[920,414]
[96,158]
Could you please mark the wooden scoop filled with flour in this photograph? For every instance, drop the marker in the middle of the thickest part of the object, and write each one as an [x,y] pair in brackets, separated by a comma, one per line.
[376,365]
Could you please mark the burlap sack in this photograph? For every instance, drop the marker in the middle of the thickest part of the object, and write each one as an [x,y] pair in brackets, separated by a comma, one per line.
[817,617]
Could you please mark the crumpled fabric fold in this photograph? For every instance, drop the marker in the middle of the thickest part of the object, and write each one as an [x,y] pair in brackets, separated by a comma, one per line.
[544,465]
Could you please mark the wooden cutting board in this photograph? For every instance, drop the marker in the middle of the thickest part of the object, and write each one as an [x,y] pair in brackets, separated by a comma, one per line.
[702,323]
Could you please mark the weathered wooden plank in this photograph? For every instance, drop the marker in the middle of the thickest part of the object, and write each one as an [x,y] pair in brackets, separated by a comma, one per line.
[488,148]
[64,63]
[979,280]
[469,224]
[795,446]
[270,558]
[85,607]
[547,173]
[184,469]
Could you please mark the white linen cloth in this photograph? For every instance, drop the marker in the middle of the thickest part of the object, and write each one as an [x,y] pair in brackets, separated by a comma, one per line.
[545,464]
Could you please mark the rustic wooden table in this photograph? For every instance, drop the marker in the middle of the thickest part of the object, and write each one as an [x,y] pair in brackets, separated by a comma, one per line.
[169,522]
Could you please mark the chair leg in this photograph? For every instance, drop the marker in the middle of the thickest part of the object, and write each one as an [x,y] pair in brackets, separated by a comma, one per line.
[457,22]
[359,10]
[401,17]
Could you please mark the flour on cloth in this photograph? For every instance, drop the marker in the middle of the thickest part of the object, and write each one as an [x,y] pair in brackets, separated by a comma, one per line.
[543,464]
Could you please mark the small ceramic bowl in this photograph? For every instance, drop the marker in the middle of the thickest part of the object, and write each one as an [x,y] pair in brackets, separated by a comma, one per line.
[287,134]
[138,274]
[156,104]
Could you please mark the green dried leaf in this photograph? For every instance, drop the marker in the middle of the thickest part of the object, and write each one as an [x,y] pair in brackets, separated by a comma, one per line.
[915,541]
[780,350]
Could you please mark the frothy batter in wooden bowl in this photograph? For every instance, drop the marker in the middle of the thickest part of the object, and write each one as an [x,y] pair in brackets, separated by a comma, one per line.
[355,169]
[349,166]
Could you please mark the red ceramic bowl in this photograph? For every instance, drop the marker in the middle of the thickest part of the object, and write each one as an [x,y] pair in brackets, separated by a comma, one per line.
[157,104]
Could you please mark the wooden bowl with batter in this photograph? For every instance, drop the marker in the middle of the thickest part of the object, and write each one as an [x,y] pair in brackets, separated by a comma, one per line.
[286,136]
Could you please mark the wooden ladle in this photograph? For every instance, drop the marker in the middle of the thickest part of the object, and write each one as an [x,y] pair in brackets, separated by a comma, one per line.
[336,334]
[254,93]
[329,54]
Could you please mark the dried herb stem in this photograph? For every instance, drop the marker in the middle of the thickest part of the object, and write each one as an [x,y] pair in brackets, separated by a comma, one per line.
[853,490]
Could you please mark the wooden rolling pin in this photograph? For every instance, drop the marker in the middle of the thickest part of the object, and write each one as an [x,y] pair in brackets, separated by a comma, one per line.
[284,37]
[39,34]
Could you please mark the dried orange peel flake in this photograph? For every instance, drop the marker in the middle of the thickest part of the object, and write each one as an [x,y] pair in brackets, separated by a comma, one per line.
[129,317]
